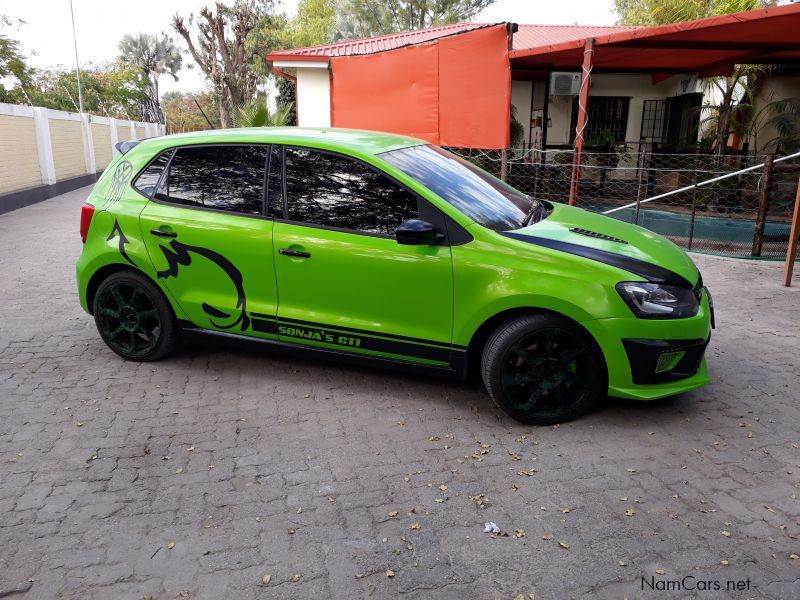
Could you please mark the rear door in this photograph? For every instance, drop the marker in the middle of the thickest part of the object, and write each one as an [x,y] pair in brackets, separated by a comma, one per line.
[209,238]
[344,281]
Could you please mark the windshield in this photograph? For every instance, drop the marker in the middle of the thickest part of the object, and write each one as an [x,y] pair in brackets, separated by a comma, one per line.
[483,198]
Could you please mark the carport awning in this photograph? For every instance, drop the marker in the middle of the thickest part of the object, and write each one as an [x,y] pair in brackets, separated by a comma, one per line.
[708,46]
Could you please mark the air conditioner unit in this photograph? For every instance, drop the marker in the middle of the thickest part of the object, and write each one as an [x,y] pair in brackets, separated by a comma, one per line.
[565,84]
[687,84]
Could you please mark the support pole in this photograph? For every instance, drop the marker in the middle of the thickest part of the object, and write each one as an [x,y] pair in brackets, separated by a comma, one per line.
[791,249]
[763,202]
[580,126]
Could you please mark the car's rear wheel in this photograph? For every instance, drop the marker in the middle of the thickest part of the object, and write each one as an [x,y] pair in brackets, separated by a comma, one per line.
[543,369]
[133,317]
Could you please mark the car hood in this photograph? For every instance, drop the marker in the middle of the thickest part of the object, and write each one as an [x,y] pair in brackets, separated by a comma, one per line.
[614,242]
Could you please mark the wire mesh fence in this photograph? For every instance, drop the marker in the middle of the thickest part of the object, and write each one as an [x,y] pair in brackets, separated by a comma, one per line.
[746,215]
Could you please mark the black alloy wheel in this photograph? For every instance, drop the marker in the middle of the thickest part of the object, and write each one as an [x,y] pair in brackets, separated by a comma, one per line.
[133,317]
[543,369]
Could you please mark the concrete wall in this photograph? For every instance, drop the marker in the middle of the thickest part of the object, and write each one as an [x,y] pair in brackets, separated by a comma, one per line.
[66,137]
[42,148]
[19,163]
[313,97]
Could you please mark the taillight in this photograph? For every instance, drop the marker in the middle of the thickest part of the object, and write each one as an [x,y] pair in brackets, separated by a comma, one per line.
[87,212]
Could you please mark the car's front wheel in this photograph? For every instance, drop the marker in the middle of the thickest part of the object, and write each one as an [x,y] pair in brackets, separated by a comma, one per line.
[133,317]
[543,369]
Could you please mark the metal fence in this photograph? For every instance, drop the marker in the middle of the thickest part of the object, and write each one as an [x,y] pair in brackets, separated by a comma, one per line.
[746,215]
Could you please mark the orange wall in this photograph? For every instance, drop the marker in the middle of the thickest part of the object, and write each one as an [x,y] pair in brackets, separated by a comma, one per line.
[455,91]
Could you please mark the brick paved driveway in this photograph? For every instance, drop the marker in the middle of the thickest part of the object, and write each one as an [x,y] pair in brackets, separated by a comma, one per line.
[199,475]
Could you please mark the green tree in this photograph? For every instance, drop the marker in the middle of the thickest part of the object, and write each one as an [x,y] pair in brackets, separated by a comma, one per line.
[12,60]
[155,57]
[257,114]
[229,46]
[662,12]
[365,18]
[188,112]
[113,90]
[314,24]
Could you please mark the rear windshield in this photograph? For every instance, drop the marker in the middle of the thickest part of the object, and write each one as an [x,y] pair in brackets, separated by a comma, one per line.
[482,197]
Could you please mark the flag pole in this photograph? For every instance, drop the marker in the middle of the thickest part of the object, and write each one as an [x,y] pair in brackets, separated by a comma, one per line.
[77,63]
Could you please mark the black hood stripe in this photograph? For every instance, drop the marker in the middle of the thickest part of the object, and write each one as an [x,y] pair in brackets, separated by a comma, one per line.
[653,273]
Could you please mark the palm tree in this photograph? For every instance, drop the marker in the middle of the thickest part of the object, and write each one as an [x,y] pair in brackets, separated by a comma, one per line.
[154,56]
[257,114]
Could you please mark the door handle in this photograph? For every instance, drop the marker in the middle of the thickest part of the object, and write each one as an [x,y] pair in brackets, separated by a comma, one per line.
[295,253]
[161,233]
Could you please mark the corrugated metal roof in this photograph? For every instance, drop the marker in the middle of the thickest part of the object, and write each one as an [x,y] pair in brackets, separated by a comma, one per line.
[528,36]
[380,43]
[534,36]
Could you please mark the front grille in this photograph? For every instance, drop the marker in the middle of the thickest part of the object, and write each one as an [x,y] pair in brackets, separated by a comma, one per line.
[658,361]
[668,360]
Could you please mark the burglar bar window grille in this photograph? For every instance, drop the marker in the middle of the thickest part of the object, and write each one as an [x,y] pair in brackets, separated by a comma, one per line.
[605,114]
[653,114]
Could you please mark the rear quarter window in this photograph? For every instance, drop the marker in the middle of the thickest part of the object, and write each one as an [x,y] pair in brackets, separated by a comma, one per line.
[148,179]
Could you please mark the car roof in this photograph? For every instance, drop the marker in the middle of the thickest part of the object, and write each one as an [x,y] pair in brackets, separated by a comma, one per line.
[355,140]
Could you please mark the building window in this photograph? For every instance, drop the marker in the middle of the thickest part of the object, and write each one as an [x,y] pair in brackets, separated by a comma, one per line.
[606,114]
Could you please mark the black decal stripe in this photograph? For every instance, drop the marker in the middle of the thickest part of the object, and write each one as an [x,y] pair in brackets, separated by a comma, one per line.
[372,333]
[177,254]
[116,230]
[649,271]
[263,325]
[367,340]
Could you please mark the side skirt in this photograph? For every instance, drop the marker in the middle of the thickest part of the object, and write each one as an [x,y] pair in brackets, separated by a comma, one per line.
[456,370]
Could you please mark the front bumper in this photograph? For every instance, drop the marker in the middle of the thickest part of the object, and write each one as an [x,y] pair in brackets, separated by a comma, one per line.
[660,361]
[649,359]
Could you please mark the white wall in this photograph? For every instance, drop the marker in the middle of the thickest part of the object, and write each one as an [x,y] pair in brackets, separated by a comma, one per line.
[521,99]
[778,87]
[313,97]
[40,146]
[634,86]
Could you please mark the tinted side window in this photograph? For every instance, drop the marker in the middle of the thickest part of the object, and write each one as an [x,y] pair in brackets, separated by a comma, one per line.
[222,177]
[334,191]
[275,183]
[148,179]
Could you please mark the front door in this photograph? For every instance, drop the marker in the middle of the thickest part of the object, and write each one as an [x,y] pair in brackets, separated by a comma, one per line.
[209,240]
[344,282]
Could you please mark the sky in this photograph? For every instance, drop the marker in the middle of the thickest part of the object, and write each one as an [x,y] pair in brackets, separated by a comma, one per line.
[46,35]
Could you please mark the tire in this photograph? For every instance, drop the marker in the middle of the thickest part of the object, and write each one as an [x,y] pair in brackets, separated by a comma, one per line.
[542,369]
[133,317]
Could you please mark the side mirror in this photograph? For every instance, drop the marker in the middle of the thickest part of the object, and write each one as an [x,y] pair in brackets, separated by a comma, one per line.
[415,232]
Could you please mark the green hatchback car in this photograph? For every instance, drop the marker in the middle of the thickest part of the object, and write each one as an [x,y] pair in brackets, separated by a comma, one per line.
[382,247]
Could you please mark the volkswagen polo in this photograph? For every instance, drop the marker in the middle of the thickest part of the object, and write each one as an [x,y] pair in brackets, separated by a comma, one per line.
[382,247]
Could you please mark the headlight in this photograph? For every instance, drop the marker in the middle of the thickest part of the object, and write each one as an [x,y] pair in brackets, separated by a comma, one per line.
[656,301]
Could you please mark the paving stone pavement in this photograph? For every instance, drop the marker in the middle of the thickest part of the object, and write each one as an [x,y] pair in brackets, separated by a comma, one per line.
[252,464]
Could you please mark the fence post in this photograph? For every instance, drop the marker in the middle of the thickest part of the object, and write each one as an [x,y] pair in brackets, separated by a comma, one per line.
[763,201]
[641,160]
[694,206]
[44,145]
[794,234]
[88,141]
[112,124]
[504,164]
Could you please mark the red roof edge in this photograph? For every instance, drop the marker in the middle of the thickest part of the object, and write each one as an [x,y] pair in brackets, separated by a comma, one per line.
[302,54]
[652,32]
